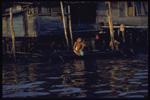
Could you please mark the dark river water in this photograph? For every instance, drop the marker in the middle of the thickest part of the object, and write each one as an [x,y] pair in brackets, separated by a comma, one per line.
[123,77]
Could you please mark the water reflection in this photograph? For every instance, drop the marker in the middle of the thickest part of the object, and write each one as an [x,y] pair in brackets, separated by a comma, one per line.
[99,78]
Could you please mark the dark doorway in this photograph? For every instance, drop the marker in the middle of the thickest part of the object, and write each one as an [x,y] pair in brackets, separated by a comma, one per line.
[83,13]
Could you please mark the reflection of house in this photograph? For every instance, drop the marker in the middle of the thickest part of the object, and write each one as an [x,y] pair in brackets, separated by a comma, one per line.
[35,19]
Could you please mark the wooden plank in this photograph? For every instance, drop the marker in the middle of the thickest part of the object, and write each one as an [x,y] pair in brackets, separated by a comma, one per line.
[65,31]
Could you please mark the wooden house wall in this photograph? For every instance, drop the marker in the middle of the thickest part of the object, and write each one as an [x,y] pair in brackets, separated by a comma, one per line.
[31,29]
[101,12]
[4,27]
[18,26]
[117,18]
[129,20]
[48,25]
[46,22]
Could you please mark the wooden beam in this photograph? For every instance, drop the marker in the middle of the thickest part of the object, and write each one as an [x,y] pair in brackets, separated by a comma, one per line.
[142,9]
[126,8]
[133,8]
[126,26]
[13,35]
[70,29]
[118,8]
[65,31]
[111,26]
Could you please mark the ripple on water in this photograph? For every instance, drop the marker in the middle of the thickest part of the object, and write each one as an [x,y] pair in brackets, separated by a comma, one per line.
[39,89]
[53,78]
[99,70]
[133,92]
[77,74]
[118,86]
[141,73]
[119,79]
[144,70]
[82,96]
[61,85]
[25,94]
[124,68]
[135,96]
[141,77]
[100,85]
[18,86]
[135,82]
[91,72]
[144,84]
[105,91]
[69,90]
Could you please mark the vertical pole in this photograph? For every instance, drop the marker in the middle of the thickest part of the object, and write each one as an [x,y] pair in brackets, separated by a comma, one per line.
[142,9]
[13,35]
[65,31]
[136,9]
[123,36]
[126,8]
[133,8]
[122,30]
[118,8]
[130,39]
[70,25]
[111,26]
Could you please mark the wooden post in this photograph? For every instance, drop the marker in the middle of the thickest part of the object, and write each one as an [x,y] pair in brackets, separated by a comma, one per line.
[118,8]
[65,31]
[133,8]
[142,9]
[136,10]
[70,25]
[111,26]
[13,35]
[122,30]
[130,39]
[123,37]
[126,8]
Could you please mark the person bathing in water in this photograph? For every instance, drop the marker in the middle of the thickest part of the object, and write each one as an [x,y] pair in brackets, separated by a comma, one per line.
[78,47]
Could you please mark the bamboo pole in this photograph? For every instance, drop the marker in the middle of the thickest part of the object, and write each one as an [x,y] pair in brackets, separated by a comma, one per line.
[126,8]
[13,35]
[65,31]
[123,37]
[71,36]
[111,26]
[118,8]
[136,9]
[133,8]
[142,9]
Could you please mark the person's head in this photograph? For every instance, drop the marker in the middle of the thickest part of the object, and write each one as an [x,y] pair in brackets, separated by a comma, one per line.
[79,40]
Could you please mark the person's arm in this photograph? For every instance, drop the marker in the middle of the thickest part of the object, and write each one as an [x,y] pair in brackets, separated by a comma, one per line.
[74,46]
[83,45]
